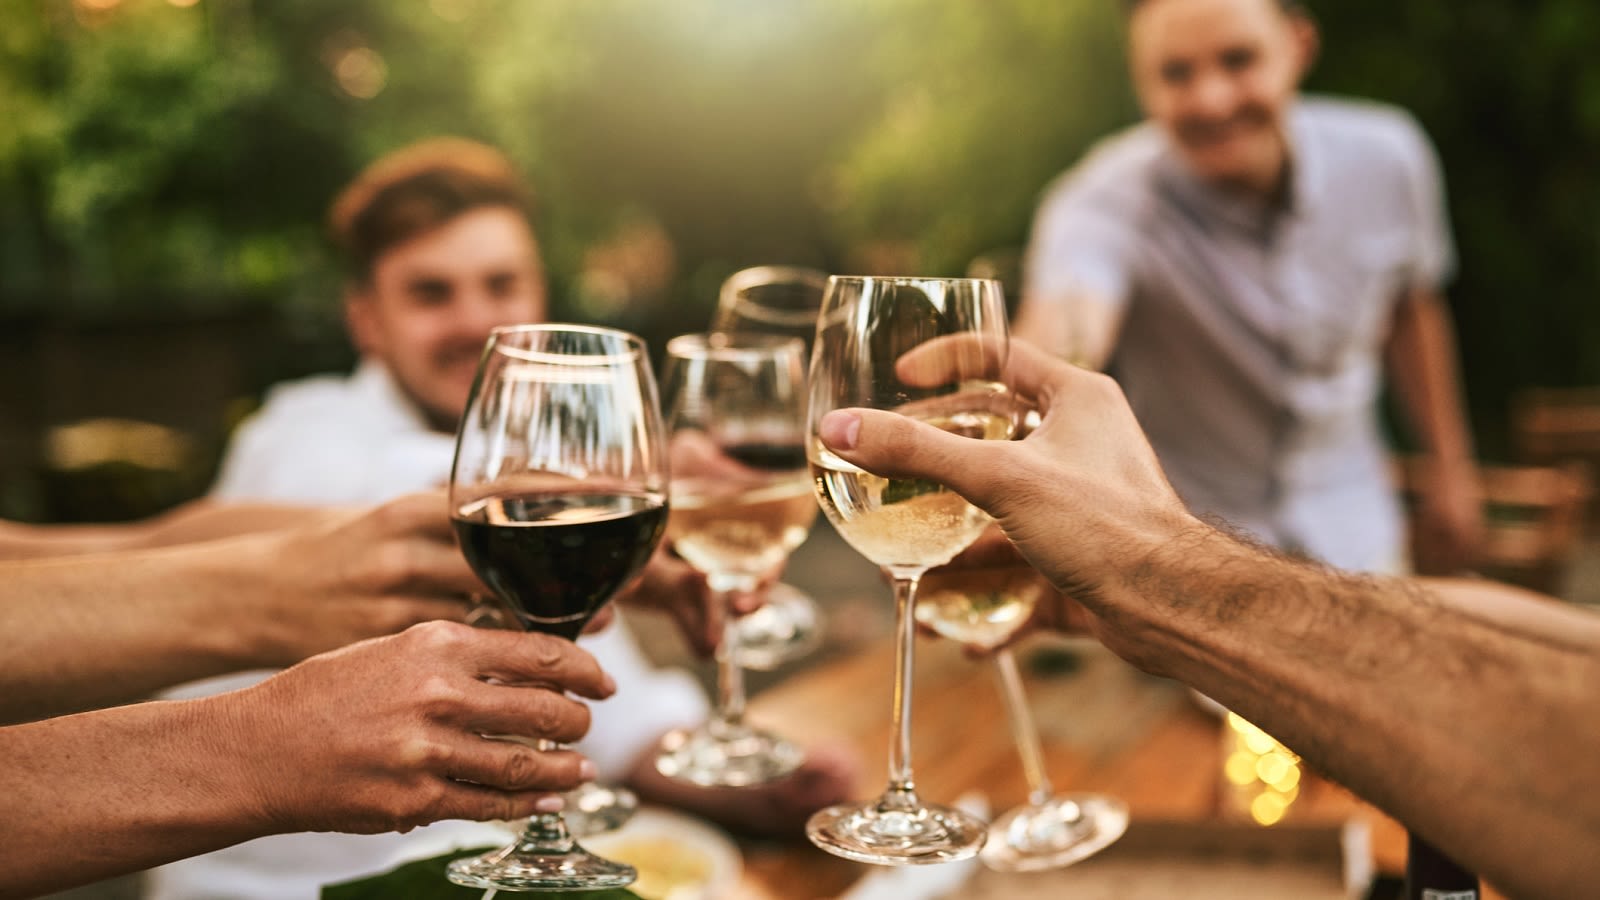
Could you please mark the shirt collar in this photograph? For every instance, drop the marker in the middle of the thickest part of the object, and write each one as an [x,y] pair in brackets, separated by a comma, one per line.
[1209,203]
[375,382]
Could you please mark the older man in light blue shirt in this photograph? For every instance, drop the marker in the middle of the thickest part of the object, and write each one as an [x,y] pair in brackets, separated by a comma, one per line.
[1243,262]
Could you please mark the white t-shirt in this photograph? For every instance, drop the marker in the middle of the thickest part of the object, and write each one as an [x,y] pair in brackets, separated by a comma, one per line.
[333,440]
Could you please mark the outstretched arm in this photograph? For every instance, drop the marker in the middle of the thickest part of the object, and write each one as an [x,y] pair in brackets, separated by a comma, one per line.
[109,628]
[383,735]
[1464,709]
[1422,366]
[1079,327]
[199,520]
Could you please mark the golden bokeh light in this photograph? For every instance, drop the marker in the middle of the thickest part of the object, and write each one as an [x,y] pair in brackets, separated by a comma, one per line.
[361,72]
[1272,766]
[1289,781]
[1269,808]
[1240,769]
[1262,775]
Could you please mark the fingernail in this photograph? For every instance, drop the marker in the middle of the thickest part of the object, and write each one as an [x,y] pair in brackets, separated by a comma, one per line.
[550,804]
[588,771]
[840,429]
[609,685]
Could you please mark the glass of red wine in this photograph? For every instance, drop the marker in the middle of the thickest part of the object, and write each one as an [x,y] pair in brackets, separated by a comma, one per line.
[558,496]
[735,409]
[775,300]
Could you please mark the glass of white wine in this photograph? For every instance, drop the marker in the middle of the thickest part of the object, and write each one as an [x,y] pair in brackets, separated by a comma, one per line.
[741,501]
[775,300]
[985,607]
[933,349]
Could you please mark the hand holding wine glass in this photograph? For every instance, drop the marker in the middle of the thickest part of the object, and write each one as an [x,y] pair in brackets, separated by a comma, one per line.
[934,350]
[559,497]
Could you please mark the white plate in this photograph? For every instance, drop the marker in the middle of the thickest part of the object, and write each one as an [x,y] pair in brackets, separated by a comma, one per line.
[657,839]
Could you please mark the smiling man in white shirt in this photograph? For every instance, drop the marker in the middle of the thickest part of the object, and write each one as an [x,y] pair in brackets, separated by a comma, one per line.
[440,249]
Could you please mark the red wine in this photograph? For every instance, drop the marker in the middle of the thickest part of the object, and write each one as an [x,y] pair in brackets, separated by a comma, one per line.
[770,457]
[555,559]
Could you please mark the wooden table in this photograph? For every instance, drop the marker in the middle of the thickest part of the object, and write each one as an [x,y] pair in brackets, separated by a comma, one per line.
[1106,728]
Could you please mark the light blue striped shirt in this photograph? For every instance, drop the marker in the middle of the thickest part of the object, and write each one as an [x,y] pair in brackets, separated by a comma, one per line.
[1250,342]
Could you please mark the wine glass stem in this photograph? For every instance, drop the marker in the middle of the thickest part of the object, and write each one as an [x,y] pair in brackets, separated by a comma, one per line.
[730,678]
[1023,729]
[546,832]
[901,787]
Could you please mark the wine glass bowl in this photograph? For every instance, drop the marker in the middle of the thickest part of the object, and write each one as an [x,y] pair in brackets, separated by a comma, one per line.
[984,607]
[558,496]
[932,349]
[781,300]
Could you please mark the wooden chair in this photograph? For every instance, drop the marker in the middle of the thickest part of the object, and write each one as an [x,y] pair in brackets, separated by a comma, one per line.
[1550,426]
[1534,518]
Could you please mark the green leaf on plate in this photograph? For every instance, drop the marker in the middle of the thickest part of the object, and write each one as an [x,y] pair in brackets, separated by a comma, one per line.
[424,880]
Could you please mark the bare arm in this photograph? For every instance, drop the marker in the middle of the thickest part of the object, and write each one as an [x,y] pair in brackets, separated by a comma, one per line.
[1466,710]
[1079,328]
[20,541]
[109,628]
[200,520]
[1422,366]
[381,736]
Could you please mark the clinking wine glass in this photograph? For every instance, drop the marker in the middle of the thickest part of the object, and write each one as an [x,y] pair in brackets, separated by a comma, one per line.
[984,607]
[741,501]
[933,349]
[558,496]
[775,300]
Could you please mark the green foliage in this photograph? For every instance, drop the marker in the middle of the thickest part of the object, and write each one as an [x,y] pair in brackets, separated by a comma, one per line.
[1510,93]
[184,157]
[983,104]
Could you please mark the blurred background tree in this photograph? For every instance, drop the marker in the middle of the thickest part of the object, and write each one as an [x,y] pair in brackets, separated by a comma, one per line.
[166,165]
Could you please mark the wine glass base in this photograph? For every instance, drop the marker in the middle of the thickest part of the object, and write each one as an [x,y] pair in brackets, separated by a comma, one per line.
[713,756]
[598,808]
[919,835]
[1057,833]
[516,869]
[787,627]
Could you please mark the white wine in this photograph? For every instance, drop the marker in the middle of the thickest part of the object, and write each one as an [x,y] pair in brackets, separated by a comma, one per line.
[983,607]
[737,529]
[903,523]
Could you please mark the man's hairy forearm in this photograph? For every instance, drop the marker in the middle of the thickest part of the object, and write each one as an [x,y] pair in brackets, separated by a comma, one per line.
[1419,697]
